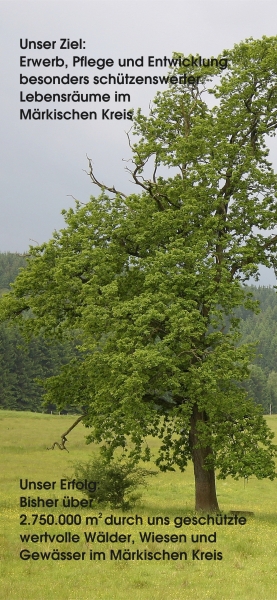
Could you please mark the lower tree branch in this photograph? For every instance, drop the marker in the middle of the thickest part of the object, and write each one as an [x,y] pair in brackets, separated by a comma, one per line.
[62,446]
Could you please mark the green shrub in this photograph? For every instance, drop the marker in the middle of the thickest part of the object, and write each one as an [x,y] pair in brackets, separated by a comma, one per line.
[117,481]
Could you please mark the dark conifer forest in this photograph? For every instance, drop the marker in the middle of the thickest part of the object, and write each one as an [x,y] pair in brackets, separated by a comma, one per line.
[22,364]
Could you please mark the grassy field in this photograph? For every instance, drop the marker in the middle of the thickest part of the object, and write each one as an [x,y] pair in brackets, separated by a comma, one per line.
[246,572]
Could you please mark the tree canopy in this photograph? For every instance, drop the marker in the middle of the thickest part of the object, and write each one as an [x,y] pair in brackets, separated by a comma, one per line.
[24,362]
[153,280]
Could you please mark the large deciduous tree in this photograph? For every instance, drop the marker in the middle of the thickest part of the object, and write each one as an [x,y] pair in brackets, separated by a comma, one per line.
[152,280]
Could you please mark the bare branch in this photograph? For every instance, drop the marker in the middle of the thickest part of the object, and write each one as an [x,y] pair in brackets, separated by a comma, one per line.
[79,201]
[102,186]
[62,446]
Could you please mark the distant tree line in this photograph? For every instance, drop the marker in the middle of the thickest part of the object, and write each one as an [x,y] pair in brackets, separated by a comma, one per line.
[262,329]
[22,363]
[9,267]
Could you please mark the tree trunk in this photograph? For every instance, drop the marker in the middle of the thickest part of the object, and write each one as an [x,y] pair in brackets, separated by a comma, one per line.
[205,490]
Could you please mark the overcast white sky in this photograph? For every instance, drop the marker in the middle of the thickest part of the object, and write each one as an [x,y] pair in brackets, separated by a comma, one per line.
[42,163]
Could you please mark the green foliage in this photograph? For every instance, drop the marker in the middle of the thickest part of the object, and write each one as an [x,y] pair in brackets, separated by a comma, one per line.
[24,365]
[151,279]
[117,481]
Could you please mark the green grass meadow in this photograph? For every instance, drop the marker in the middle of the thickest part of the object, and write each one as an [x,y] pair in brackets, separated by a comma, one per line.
[248,570]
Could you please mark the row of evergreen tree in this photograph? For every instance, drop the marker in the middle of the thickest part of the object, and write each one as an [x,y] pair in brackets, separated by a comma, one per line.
[261,329]
[22,364]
